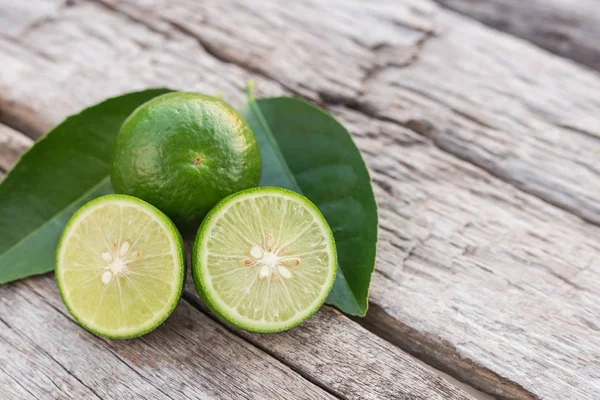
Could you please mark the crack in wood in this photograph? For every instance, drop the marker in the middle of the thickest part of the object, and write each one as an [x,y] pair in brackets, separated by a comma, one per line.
[328,99]
[332,98]
[569,29]
[193,300]
[6,373]
[106,347]
[22,119]
[427,129]
[112,7]
[43,351]
[410,57]
[135,371]
[441,355]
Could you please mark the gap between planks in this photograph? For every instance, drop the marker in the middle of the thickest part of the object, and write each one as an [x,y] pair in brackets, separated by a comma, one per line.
[145,366]
[195,301]
[326,104]
[20,117]
[304,375]
[566,28]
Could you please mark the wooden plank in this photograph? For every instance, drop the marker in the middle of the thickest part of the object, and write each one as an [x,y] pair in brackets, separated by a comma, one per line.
[568,28]
[20,356]
[526,117]
[440,215]
[501,104]
[17,17]
[12,145]
[82,53]
[350,361]
[322,349]
[190,356]
[487,282]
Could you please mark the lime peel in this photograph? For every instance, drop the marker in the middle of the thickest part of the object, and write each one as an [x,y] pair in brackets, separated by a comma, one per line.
[183,152]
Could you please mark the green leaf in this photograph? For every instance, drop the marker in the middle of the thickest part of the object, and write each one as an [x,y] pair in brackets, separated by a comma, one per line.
[306,150]
[62,171]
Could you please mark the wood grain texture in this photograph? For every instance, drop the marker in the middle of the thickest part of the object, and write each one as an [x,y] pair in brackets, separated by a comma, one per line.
[492,283]
[12,145]
[485,280]
[329,350]
[531,120]
[353,363]
[568,28]
[17,17]
[106,56]
[500,103]
[46,354]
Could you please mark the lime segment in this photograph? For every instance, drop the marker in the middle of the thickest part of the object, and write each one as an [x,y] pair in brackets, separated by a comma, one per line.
[264,259]
[120,266]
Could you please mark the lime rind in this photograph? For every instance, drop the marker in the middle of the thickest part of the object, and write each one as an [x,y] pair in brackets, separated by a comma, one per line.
[202,279]
[177,253]
[183,152]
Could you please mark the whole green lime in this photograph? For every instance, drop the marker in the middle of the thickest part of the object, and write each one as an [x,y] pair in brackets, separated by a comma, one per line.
[183,153]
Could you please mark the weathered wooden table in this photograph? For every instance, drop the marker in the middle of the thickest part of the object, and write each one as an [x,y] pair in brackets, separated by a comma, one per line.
[485,155]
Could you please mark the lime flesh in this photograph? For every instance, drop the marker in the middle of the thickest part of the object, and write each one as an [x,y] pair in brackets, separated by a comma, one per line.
[264,259]
[120,267]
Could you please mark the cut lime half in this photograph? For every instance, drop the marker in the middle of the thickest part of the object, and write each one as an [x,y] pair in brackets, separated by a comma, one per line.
[120,266]
[264,259]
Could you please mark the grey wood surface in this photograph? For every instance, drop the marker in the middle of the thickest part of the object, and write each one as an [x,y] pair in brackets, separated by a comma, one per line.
[351,363]
[479,277]
[484,151]
[46,354]
[569,28]
[12,145]
[196,359]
